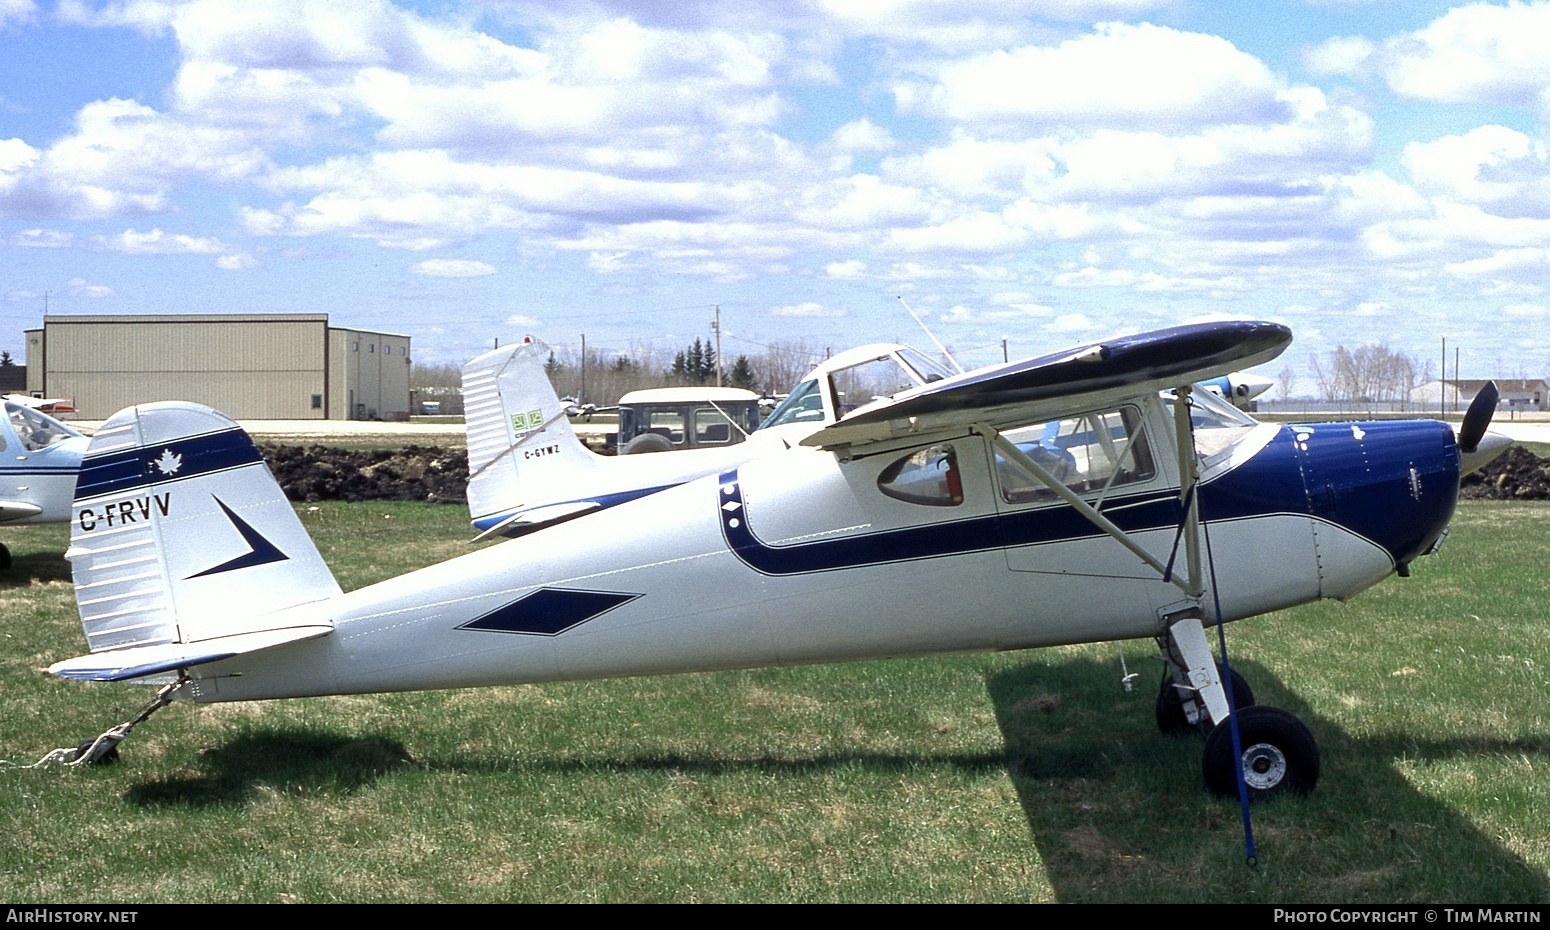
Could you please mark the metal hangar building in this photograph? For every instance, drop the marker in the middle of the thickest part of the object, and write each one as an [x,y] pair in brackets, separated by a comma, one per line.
[267,366]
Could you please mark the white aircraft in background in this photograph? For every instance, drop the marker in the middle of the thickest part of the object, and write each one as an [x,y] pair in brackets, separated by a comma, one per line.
[1238,388]
[1064,499]
[527,469]
[39,458]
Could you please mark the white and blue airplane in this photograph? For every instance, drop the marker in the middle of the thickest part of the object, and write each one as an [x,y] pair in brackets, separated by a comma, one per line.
[39,458]
[527,469]
[1083,496]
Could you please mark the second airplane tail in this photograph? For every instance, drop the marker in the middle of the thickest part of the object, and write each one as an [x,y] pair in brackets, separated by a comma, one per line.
[522,452]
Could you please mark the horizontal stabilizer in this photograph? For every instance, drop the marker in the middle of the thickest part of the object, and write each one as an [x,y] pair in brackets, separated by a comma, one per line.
[139,661]
[528,520]
[18,510]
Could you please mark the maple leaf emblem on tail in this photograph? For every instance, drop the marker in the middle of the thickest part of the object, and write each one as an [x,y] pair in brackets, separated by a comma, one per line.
[169,462]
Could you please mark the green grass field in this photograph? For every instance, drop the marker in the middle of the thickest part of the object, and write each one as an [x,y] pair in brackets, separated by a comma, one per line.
[1027,776]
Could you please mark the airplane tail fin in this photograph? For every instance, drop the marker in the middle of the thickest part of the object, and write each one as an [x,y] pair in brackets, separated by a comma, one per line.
[522,452]
[183,548]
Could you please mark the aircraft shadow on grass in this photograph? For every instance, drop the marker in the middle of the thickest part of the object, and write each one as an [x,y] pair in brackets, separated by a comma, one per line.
[299,761]
[1115,811]
[32,568]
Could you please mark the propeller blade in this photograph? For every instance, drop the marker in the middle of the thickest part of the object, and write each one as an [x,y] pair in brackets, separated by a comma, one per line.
[1478,417]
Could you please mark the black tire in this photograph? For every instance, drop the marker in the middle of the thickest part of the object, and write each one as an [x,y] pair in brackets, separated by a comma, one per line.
[1170,709]
[5,558]
[106,756]
[1280,755]
[647,442]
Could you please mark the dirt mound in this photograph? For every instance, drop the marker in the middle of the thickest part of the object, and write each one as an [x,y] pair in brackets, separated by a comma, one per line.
[1517,475]
[413,473]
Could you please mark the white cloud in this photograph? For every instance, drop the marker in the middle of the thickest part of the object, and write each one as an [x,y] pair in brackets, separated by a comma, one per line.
[806,309]
[863,135]
[453,268]
[1490,165]
[43,238]
[157,242]
[80,287]
[17,11]
[1476,53]
[521,319]
[1071,323]
[848,270]
[1140,74]
[1343,55]
[236,262]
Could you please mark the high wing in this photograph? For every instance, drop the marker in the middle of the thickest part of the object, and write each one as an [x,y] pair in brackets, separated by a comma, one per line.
[1062,382]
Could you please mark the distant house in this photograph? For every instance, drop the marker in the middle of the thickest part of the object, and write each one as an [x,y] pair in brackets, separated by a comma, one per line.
[1516,393]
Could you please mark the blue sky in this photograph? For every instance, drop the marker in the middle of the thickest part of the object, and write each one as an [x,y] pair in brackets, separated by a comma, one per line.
[1048,173]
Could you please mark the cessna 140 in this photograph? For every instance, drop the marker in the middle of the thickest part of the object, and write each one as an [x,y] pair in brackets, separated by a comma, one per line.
[37,475]
[1064,499]
[527,469]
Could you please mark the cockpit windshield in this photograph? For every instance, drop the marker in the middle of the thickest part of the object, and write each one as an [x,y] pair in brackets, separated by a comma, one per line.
[1217,424]
[836,388]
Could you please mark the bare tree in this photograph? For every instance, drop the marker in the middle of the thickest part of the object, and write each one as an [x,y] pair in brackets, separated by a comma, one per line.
[1368,373]
[784,362]
[1285,381]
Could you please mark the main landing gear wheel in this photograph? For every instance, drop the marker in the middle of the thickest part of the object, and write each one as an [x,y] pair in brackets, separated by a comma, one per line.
[5,558]
[1280,755]
[1170,707]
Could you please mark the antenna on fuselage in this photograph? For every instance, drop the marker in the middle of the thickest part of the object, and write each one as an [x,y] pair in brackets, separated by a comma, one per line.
[943,349]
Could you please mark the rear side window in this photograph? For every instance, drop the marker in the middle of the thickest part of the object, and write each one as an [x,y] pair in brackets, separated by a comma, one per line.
[928,476]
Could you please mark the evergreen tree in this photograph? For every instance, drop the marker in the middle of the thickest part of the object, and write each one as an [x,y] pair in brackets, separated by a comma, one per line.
[742,374]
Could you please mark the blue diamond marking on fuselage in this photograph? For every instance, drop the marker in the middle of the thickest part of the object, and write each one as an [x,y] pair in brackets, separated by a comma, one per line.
[548,611]
[260,550]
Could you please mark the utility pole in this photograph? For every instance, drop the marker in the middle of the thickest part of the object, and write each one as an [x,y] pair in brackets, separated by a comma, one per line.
[715,327]
[583,398]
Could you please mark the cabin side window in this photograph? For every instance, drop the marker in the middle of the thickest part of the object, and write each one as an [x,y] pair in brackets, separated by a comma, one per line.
[927,476]
[1089,453]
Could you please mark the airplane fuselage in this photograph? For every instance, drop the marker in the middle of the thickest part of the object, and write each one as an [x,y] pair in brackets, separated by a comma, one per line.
[804,556]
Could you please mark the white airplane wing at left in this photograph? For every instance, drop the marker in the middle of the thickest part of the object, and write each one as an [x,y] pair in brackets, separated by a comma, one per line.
[179,533]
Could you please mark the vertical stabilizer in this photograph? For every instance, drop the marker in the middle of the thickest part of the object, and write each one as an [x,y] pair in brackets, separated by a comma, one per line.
[522,452]
[181,535]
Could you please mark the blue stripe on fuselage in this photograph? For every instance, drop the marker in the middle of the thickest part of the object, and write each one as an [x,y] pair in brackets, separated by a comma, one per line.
[604,501]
